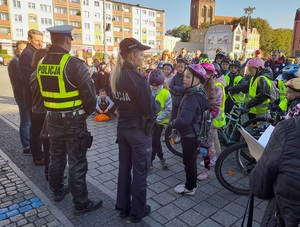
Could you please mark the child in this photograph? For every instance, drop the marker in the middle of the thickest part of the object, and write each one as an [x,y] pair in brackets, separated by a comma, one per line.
[233,78]
[225,65]
[187,123]
[214,87]
[162,94]
[104,103]
[167,69]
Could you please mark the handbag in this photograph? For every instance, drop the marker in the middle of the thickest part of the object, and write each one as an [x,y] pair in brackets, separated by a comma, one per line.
[250,205]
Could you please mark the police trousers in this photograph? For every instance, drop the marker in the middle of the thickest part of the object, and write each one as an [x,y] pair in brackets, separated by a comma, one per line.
[68,136]
[134,154]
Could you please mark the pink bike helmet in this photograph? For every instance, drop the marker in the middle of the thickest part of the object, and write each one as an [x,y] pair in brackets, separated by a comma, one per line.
[256,62]
[209,67]
[198,71]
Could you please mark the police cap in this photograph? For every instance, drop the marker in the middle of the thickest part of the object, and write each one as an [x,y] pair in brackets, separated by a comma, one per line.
[128,44]
[61,30]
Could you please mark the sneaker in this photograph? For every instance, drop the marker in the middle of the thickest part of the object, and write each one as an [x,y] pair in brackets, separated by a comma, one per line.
[138,218]
[202,163]
[59,197]
[27,152]
[177,139]
[181,189]
[92,205]
[213,160]
[151,167]
[204,174]
[164,164]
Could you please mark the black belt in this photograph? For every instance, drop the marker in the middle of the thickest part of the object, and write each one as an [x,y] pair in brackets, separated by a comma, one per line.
[68,113]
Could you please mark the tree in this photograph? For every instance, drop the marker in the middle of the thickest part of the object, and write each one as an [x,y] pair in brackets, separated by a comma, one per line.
[282,39]
[183,32]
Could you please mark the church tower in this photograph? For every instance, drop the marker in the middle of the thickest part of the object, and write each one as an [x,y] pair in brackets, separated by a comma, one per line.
[296,36]
[202,11]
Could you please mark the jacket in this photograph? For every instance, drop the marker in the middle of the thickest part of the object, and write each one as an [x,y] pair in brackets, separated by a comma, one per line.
[262,92]
[134,98]
[15,77]
[177,89]
[191,109]
[276,67]
[108,102]
[25,71]
[76,75]
[276,176]
[37,99]
[165,101]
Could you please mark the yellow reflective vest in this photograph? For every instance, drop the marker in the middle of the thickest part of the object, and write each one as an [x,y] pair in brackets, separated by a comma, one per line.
[220,120]
[162,97]
[263,107]
[56,94]
[239,98]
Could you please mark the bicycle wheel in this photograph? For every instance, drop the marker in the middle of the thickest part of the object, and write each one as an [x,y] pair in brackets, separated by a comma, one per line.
[257,126]
[171,138]
[233,167]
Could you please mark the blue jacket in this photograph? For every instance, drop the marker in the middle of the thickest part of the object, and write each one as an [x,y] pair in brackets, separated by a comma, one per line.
[190,112]
[134,98]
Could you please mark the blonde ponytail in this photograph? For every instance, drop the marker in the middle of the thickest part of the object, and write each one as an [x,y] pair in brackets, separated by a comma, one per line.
[115,76]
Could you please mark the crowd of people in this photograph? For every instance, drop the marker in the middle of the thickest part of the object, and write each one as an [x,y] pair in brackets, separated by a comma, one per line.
[59,92]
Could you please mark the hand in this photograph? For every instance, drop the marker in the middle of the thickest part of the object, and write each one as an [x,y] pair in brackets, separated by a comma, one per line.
[105,111]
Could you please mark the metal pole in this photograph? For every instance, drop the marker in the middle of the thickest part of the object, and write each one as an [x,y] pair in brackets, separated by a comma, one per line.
[104,26]
[248,11]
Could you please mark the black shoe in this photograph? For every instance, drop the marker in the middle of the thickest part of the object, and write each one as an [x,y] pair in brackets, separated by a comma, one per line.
[137,218]
[59,197]
[92,205]
[125,213]
[27,152]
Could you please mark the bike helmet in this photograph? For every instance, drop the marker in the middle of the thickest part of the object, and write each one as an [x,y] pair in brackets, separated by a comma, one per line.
[168,64]
[198,71]
[218,69]
[220,54]
[156,77]
[182,60]
[235,63]
[290,71]
[205,60]
[294,84]
[256,63]
[226,59]
[209,67]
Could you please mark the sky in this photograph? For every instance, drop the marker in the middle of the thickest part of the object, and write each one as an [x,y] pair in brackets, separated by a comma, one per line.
[279,13]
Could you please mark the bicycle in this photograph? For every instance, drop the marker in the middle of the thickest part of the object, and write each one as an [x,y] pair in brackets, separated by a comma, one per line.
[235,163]
[228,134]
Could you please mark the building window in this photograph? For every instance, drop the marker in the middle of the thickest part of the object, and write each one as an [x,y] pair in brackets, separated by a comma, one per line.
[127,20]
[151,24]
[16,4]
[5,31]
[144,41]
[144,22]
[136,11]
[96,3]
[108,17]
[46,21]
[32,19]
[158,43]
[18,18]
[45,8]
[31,5]
[61,22]
[152,33]
[151,14]
[136,31]
[118,40]
[87,37]
[98,37]
[97,15]
[3,2]
[75,1]
[127,30]
[86,14]
[73,12]
[3,16]
[126,9]
[77,36]
[159,24]
[117,29]
[19,32]
[97,26]
[151,42]
[76,24]
[107,6]
[238,38]
[117,7]
[144,12]
[87,26]
[158,15]
[108,39]
[159,33]
[60,10]
[136,21]
[117,18]
[86,2]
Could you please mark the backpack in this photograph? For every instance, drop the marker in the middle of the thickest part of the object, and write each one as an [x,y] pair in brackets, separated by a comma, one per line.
[205,127]
[274,91]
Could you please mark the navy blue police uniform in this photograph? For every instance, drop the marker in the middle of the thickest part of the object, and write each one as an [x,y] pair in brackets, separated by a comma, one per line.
[135,105]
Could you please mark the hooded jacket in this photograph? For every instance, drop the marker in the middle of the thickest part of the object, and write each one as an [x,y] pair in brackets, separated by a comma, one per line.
[191,109]
[276,177]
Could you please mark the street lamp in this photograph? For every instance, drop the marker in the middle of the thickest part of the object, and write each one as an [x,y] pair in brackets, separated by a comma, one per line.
[248,11]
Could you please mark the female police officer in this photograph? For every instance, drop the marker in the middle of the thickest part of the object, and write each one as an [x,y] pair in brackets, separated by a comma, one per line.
[137,110]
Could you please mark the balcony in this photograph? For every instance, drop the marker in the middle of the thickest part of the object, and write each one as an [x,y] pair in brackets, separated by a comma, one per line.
[2,36]
[60,3]
[60,16]
[75,17]
[3,8]
[4,22]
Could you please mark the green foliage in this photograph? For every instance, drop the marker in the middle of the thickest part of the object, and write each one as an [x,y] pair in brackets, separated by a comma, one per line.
[282,39]
[183,32]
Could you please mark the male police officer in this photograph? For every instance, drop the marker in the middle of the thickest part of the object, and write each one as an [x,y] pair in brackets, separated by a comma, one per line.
[69,97]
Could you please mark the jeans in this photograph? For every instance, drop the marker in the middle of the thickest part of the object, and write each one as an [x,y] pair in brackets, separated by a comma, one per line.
[25,123]
[68,136]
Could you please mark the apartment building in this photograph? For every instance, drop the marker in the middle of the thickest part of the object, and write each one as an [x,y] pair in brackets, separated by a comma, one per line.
[122,20]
